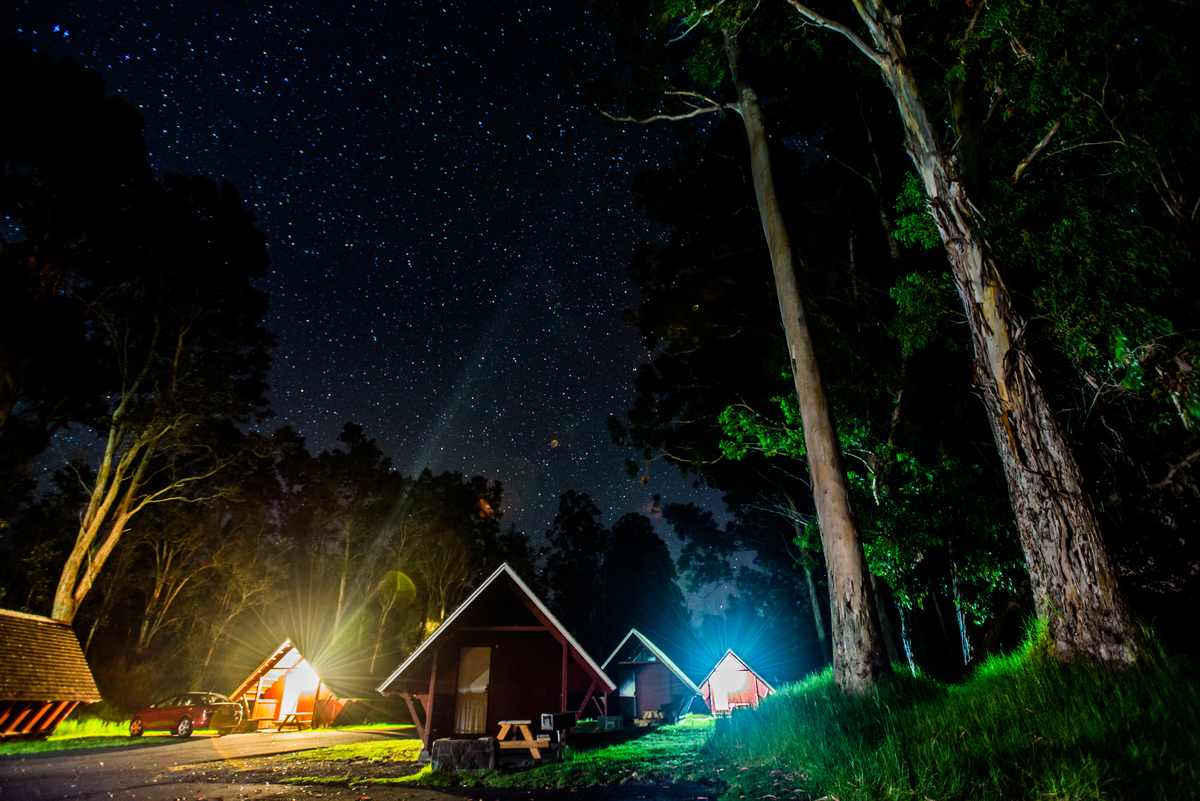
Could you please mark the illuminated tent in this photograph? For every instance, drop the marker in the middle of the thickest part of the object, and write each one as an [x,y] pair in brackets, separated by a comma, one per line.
[732,684]
[647,680]
[43,674]
[286,685]
[501,655]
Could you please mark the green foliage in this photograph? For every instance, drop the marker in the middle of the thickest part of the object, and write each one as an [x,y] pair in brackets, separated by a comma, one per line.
[915,227]
[1105,285]
[1023,727]
[917,533]
[745,431]
[923,302]
[706,65]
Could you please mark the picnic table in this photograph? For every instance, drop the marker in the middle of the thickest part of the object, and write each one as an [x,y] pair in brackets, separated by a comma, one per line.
[526,741]
[296,720]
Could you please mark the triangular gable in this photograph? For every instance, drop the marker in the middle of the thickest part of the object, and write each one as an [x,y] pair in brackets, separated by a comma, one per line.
[339,689]
[268,663]
[730,654]
[658,654]
[503,570]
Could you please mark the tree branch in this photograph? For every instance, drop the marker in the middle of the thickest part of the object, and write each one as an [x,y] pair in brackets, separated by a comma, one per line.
[1175,468]
[821,21]
[710,106]
[699,20]
[1037,149]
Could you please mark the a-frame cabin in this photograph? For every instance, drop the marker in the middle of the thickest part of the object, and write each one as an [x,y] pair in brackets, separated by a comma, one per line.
[43,674]
[648,680]
[501,655]
[286,689]
[732,684]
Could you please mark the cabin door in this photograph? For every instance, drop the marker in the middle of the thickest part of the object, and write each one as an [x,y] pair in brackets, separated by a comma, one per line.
[471,700]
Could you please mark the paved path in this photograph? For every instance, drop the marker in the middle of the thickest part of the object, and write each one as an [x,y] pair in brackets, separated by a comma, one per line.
[138,772]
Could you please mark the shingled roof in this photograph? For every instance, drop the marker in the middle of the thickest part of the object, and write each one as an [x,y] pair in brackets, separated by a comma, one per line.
[40,660]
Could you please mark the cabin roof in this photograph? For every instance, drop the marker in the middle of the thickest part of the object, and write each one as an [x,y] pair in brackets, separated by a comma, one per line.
[448,623]
[40,660]
[729,653]
[343,687]
[659,654]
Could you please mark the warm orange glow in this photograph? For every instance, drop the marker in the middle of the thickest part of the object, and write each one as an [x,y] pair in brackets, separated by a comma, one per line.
[302,680]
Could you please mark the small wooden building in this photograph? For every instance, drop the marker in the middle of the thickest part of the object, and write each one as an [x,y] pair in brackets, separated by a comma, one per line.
[647,680]
[732,684]
[501,655]
[43,674]
[286,689]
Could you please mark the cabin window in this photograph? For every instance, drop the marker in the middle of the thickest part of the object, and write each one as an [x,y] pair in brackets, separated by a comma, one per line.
[474,674]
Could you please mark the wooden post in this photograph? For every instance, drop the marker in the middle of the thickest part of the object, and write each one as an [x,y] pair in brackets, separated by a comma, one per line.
[32,725]
[14,726]
[412,713]
[432,693]
[64,709]
[562,707]
[586,697]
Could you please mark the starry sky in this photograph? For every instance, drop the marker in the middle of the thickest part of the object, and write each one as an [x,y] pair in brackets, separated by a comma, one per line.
[449,224]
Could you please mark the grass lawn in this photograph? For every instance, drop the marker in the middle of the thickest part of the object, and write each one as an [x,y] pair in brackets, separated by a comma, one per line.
[666,754]
[372,751]
[353,764]
[1023,727]
[82,733]
[400,728]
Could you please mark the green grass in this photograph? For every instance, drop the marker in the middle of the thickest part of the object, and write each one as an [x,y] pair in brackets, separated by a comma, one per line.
[381,727]
[666,754]
[1023,727]
[79,733]
[89,732]
[374,751]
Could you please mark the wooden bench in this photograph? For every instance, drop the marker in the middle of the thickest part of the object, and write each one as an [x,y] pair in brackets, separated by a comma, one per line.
[525,742]
[296,720]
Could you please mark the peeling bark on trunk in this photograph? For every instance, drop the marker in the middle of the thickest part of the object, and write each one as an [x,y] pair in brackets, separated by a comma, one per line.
[1074,585]
[858,657]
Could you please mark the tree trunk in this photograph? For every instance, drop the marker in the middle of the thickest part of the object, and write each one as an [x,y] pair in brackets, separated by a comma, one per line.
[341,597]
[885,622]
[814,601]
[858,658]
[380,629]
[1074,585]
[906,641]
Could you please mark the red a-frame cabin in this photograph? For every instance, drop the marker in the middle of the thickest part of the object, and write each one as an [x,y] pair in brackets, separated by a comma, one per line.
[501,655]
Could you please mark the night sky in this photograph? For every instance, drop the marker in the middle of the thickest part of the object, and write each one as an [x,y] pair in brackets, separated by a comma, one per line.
[449,225]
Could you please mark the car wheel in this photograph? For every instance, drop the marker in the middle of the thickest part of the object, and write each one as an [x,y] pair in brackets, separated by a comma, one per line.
[184,727]
[136,728]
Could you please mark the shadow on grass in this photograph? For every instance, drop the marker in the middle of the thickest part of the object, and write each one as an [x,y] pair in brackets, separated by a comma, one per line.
[589,741]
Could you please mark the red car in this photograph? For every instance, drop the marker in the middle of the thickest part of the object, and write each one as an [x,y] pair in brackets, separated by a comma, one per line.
[182,714]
